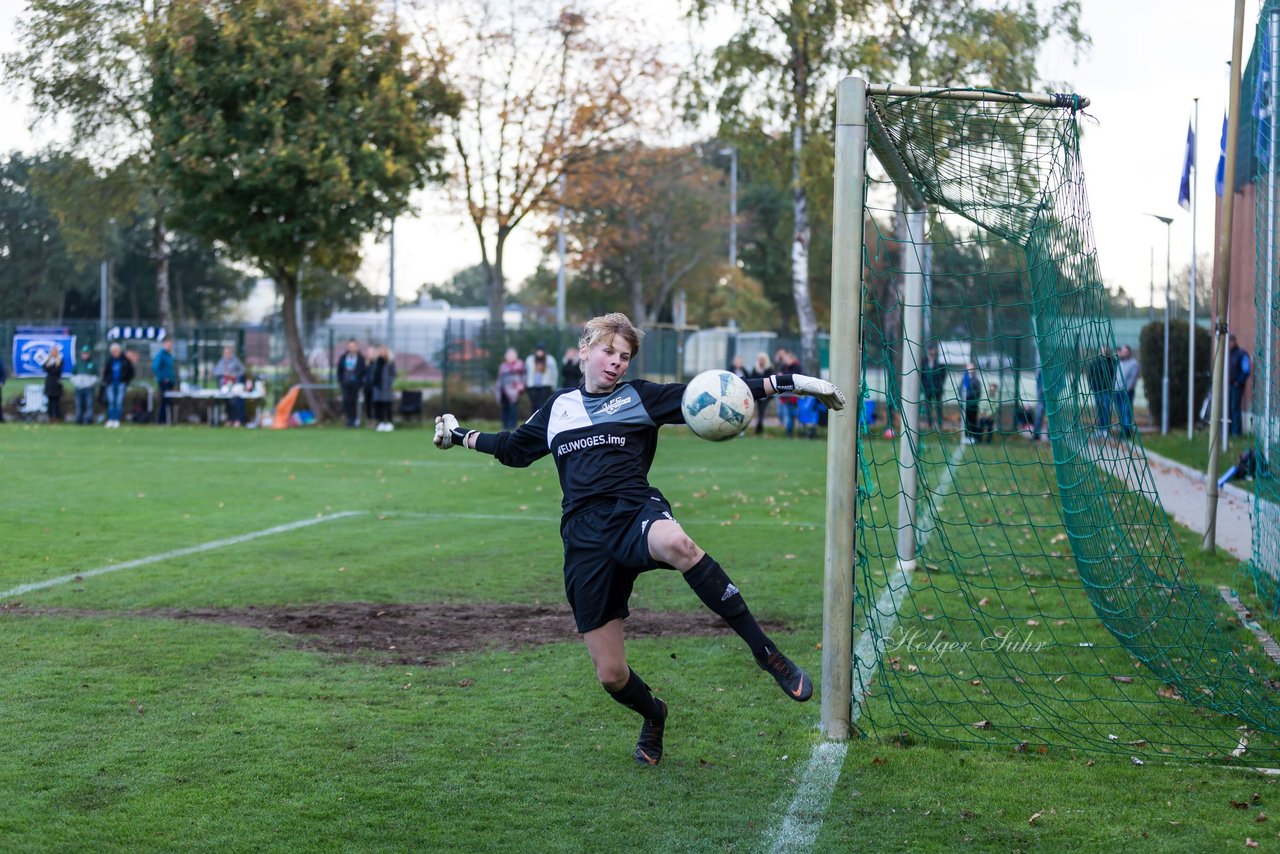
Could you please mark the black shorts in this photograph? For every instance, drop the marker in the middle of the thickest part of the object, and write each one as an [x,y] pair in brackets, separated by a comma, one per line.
[605,548]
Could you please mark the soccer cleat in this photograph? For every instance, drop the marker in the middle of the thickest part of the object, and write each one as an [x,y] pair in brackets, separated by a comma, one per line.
[790,676]
[649,747]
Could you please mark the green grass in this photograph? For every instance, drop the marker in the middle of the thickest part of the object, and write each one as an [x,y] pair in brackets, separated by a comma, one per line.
[129,733]
[1195,453]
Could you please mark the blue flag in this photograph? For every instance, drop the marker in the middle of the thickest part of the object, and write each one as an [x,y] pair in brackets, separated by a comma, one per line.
[1221,177]
[1263,110]
[1184,191]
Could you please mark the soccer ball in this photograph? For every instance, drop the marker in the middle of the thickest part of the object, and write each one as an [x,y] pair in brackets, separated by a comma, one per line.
[717,405]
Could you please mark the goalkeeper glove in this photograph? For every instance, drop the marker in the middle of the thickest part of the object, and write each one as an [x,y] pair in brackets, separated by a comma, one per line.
[824,391]
[448,433]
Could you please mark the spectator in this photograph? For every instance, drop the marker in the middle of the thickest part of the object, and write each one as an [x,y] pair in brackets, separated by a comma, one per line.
[988,413]
[971,395]
[368,383]
[511,384]
[1102,376]
[738,367]
[542,375]
[570,369]
[1129,369]
[165,370]
[350,371]
[383,372]
[761,370]
[1038,420]
[785,362]
[933,378]
[53,383]
[230,372]
[4,375]
[1238,371]
[84,377]
[117,373]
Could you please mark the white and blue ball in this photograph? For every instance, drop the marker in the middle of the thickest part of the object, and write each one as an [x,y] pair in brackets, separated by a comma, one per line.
[717,405]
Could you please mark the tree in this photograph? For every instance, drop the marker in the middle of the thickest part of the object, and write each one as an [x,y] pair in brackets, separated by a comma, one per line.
[36,268]
[649,222]
[87,61]
[467,287]
[288,129]
[542,87]
[778,74]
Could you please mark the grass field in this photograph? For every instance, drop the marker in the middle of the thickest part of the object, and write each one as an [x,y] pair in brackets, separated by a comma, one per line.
[124,728]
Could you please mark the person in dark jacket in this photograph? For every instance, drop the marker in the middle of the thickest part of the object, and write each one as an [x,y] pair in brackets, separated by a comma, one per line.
[84,379]
[4,375]
[350,371]
[117,373]
[570,369]
[933,380]
[1238,371]
[165,370]
[761,370]
[383,389]
[1103,376]
[53,383]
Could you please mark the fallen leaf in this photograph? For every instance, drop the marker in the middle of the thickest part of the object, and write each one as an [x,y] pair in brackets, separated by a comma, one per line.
[1261,818]
[466,683]
[1240,805]
[981,725]
[985,601]
[1033,818]
[879,761]
[1125,679]
[1249,843]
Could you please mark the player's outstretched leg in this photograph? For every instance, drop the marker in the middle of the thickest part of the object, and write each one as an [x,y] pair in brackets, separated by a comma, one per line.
[718,593]
[635,695]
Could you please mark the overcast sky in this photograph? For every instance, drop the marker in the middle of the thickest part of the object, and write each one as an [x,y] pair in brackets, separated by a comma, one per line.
[1149,59]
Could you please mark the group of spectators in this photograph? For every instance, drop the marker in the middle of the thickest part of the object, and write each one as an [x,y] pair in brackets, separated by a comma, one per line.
[370,374]
[106,384]
[799,416]
[537,376]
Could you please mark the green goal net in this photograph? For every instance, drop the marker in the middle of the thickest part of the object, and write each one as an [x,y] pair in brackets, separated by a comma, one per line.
[1017,581]
[1263,151]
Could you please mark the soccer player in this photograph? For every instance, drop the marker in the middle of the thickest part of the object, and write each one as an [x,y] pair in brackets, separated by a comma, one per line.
[603,436]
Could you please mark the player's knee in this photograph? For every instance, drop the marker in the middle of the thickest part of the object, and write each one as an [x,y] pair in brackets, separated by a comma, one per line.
[613,675]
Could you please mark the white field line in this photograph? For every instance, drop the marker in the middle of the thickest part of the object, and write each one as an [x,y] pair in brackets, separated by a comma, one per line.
[190,550]
[799,828]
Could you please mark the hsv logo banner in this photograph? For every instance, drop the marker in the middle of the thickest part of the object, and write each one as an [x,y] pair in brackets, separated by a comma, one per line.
[31,347]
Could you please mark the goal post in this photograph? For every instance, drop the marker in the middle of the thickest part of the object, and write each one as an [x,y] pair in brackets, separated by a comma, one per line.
[981,586]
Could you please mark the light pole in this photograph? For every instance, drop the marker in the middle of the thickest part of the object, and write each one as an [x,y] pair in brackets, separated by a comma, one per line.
[732,153]
[1168,282]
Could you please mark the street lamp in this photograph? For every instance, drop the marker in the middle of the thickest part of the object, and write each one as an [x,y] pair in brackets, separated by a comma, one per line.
[1168,282]
[732,153]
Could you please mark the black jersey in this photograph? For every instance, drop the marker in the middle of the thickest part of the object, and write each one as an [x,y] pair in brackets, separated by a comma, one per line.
[602,444]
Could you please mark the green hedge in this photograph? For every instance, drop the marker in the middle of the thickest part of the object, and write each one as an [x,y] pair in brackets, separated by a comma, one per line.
[1151,359]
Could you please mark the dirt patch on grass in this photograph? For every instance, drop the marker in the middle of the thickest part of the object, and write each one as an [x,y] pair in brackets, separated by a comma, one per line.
[417,634]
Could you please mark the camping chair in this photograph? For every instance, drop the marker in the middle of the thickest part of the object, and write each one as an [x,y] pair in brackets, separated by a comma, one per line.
[33,402]
[411,404]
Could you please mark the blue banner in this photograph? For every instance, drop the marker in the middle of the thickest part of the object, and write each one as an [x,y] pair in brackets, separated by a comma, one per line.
[31,347]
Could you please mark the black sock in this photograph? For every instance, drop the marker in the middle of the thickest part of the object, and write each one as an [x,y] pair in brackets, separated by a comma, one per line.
[719,594]
[637,697]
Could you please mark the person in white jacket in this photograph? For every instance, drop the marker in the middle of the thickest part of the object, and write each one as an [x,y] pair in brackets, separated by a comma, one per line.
[541,377]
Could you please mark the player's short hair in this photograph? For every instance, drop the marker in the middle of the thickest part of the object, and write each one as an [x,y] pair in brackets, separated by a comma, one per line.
[607,326]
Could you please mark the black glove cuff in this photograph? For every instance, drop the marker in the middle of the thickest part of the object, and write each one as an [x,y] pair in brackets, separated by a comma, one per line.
[784,382]
[460,436]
